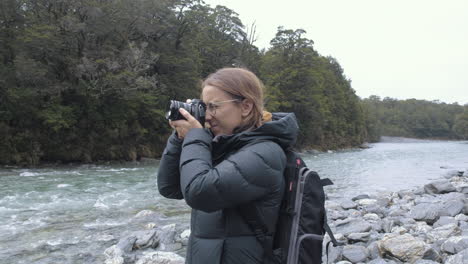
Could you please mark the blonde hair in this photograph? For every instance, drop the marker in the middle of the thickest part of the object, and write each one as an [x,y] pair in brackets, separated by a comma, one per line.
[240,84]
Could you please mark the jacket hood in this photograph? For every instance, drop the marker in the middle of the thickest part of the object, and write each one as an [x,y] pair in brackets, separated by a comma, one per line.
[282,129]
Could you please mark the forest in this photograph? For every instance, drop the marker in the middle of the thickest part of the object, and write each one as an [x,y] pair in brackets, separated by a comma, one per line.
[90,80]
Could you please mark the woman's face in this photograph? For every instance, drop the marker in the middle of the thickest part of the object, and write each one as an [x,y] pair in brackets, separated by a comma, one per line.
[228,115]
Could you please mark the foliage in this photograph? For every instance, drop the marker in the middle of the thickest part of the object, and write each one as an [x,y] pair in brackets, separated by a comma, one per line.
[90,80]
[412,118]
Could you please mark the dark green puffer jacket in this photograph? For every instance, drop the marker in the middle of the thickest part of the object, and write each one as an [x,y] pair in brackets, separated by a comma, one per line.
[217,176]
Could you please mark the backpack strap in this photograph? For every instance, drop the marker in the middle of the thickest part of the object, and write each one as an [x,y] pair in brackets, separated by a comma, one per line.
[332,237]
[257,224]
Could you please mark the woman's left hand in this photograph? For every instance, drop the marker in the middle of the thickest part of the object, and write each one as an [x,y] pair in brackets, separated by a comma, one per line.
[183,126]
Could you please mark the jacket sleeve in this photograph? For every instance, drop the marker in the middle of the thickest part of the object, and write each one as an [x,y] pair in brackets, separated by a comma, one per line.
[247,175]
[168,174]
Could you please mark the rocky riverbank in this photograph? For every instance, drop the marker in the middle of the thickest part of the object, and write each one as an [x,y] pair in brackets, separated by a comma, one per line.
[427,225]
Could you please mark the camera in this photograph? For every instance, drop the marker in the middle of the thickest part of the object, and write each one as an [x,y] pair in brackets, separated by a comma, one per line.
[196,108]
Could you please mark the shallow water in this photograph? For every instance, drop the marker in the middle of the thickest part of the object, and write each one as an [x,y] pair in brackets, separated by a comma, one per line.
[71,214]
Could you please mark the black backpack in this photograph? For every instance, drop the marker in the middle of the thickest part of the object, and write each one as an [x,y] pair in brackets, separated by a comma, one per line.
[302,222]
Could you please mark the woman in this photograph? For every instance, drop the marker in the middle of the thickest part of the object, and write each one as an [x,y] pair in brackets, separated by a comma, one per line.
[239,160]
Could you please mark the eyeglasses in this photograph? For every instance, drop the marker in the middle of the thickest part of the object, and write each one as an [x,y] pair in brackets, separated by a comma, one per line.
[212,106]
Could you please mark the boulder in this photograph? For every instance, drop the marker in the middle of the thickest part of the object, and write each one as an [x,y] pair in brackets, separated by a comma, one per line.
[399,230]
[160,257]
[377,261]
[455,244]
[451,208]
[358,237]
[334,254]
[146,239]
[445,220]
[373,249]
[126,243]
[452,173]
[443,232]
[440,186]
[428,212]
[366,202]
[349,226]
[463,188]
[167,234]
[355,254]
[114,255]
[371,217]
[421,228]
[459,258]
[184,236]
[426,261]
[432,253]
[347,204]
[387,225]
[404,247]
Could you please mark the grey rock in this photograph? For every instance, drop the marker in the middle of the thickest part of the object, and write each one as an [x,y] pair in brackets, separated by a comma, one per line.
[377,261]
[405,193]
[455,244]
[383,201]
[126,243]
[387,225]
[375,209]
[160,257]
[452,173]
[355,253]
[406,221]
[399,230]
[184,236]
[347,204]
[371,217]
[167,234]
[377,226]
[427,212]
[335,215]
[332,205]
[459,258]
[451,208]
[463,188]
[344,262]
[361,196]
[358,237]
[452,196]
[431,253]
[426,198]
[443,232]
[349,226]
[445,220]
[334,254]
[405,247]
[425,261]
[373,249]
[366,202]
[419,191]
[440,186]
[461,217]
[114,255]
[146,239]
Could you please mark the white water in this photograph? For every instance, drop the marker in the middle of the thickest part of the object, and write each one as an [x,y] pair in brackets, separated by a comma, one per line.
[72,214]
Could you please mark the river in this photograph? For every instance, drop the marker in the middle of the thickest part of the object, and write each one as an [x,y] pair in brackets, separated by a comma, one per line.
[71,214]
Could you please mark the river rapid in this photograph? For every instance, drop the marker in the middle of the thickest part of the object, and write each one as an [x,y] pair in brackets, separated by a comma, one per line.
[71,214]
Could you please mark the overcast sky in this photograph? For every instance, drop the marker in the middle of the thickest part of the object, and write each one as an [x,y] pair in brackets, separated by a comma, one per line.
[396,48]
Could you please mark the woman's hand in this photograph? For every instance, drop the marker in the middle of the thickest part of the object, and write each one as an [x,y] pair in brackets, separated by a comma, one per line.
[183,126]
